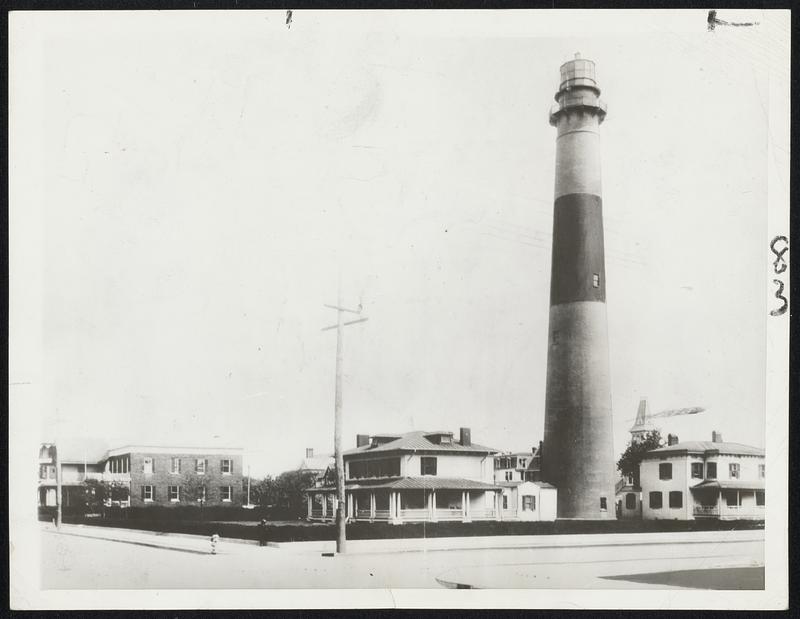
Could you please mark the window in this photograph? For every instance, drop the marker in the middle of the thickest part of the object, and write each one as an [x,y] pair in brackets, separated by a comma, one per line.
[603,504]
[762,470]
[225,493]
[711,470]
[522,463]
[505,502]
[176,465]
[676,499]
[147,466]
[759,497]
[528,502]
[174,494]
[665,470]
[43,471]
[733,470]
[387,467]
[697,470]
[225,466]
[655,500]
[630,501]
[732,499]
[596,280]
[427,465]
[509,475]
[147,493]
[200,466]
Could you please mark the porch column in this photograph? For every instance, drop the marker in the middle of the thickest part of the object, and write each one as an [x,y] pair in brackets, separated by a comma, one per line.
[309,502]
[466,505]
[397,504]
[372,505]
[719,504]
[350,512]
[433,506]
[496,504]
[324,505]
[392,507]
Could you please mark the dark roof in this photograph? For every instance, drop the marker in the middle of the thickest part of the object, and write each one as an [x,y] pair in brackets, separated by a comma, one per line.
[416,483]
[733,484]
[705,448]
[419,441]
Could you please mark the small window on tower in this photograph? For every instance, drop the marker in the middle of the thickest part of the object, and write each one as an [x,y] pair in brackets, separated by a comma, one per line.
[596,280]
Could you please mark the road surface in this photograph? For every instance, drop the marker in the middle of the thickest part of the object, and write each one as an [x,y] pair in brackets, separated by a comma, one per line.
[101,559]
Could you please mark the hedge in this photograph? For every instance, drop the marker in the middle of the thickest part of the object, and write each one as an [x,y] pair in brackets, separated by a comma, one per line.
[381,530]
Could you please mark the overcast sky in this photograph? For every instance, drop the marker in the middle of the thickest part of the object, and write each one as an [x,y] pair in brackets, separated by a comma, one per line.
[203,176]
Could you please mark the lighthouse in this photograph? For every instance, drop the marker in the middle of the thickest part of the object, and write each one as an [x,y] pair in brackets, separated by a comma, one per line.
[578,455]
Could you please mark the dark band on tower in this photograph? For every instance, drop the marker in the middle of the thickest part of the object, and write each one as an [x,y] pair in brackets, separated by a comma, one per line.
[578,452]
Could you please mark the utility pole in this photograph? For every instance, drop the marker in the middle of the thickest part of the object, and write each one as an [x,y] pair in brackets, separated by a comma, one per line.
[248,485]
[57,463]
[341,534]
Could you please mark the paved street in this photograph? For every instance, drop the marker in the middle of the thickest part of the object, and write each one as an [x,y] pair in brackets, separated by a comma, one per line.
[88,557]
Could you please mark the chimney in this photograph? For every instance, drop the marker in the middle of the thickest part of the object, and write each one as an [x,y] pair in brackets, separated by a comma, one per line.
[362,439]
[309,452]
[672,439]
[466,437]
[716,437]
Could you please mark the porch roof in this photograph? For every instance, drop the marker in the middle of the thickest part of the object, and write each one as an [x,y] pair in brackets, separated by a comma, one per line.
[414,483]
[734,484]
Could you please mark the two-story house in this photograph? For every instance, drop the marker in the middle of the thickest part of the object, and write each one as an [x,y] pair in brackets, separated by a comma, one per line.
[701,479]
[413,477]
[74,472]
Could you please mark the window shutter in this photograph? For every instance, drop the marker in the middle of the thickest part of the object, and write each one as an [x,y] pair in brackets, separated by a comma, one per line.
[142,493]
[153,492]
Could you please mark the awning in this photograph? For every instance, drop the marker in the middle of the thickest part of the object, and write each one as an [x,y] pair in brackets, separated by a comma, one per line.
[733,484]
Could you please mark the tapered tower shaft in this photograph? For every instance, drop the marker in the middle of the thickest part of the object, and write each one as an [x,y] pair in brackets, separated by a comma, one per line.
[578,452]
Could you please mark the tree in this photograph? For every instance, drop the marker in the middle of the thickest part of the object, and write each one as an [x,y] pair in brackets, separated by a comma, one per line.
[628,463]
[193,490]
[101,494]
[289,496]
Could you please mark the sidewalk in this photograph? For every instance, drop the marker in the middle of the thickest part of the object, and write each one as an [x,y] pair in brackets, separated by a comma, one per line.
[198,543]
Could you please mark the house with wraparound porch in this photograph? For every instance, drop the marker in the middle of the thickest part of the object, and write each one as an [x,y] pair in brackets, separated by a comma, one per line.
[414,477]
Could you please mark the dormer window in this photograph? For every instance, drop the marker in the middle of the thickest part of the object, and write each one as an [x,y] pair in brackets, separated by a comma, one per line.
[445,439]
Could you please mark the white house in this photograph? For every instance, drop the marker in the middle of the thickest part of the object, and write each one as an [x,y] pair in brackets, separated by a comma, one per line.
[701,479]
[414,477]
[527,500]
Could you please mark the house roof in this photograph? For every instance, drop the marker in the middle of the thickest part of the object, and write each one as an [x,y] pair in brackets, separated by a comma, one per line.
[514,484]
[705,448]
[316,463]
[733,484]
[419,441]
[416,483]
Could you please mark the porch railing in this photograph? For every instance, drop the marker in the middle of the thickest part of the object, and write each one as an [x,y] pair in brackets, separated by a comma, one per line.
[708,511]
[482,514]
[362,514]
[415,514]
[382,514]
[449,514]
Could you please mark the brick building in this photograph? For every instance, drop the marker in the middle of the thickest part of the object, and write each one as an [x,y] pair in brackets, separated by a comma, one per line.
[167,476]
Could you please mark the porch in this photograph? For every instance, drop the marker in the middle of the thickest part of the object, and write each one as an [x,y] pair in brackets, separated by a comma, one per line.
[397,505]
[729,500]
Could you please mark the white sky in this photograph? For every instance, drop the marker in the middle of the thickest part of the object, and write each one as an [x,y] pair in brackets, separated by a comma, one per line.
[201,177]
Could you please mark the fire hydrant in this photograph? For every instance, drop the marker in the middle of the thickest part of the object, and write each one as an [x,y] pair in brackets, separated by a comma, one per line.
[214,540]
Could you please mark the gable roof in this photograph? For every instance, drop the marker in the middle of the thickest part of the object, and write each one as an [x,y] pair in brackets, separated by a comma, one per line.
[316,463]
[705,448]
[418,441]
